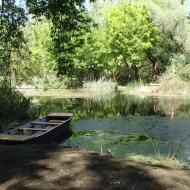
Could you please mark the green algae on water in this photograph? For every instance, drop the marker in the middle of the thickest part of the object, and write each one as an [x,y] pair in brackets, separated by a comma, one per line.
[91,133]
[134,138]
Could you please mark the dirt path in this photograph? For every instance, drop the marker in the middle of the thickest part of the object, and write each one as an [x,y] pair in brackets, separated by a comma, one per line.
[42,167]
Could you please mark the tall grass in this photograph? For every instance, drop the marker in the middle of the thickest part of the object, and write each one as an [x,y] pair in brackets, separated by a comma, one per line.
[137,87]
[172,159]
[173,85]
[101,85]
[134,84]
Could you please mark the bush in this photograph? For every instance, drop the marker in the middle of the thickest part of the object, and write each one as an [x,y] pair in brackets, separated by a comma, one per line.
[173,85]
[13,104]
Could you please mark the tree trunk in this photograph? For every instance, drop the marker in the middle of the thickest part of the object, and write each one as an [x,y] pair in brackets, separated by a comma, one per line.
[136,73]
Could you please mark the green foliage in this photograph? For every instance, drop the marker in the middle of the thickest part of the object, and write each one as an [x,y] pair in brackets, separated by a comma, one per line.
[41,68]
[43,62]
[130,34]
[59,84]
[13,104]
[91,59]
[171,19]
[115,48]
[69,22]
[11,37]
[12,17]
[131,41]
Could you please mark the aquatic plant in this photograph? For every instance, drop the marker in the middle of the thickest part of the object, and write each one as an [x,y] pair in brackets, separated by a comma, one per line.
[174,155]
[136,138]
[152,140]
[91,133]
[100,85]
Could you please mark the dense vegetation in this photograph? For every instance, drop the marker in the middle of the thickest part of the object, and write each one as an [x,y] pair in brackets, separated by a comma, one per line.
[123,41]
[63,43]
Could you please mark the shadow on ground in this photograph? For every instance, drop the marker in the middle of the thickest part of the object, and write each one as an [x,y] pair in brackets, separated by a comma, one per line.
[34,167]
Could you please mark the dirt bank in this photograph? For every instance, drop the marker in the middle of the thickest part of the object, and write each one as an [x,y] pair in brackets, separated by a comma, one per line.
[43,167]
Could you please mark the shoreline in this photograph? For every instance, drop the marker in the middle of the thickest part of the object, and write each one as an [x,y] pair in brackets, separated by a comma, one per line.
[146,91]
[47,166]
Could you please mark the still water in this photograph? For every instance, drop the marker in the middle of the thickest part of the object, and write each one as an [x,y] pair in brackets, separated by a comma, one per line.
[127,126]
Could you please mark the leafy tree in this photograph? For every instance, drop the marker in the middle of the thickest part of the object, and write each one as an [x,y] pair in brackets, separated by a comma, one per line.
[42,62]
[92,57]
[69,22]
[130,34]
[171,18]
[11,36]
[12,18]
[115,48]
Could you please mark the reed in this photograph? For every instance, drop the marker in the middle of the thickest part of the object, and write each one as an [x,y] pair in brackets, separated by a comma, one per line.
[172,158]
[154,143]
[100,85]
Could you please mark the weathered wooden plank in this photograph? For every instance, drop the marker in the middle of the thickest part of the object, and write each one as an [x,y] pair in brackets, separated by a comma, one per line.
[44,123]
[60,115]
[8,137]
[31,129]
[56,121]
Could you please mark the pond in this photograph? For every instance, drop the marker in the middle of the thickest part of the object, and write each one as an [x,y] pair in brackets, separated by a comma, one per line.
[133,127]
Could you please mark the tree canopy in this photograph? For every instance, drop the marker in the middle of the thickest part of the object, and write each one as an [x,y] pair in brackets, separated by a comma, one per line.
[120,40]
[130,34]
[69,22]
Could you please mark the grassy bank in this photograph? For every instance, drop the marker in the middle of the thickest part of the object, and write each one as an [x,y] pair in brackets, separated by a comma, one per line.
[166,87]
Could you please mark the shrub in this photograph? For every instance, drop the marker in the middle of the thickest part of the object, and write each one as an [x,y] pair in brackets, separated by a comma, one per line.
[173,85]
[13,104]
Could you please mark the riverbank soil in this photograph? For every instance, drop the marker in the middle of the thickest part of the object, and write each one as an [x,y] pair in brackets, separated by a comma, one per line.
[42,167]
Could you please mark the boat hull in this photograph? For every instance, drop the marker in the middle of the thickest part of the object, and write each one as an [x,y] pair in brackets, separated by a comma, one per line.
[42,130]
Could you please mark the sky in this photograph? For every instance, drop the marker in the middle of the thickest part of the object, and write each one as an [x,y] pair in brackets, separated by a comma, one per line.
[188,8]
[87,2]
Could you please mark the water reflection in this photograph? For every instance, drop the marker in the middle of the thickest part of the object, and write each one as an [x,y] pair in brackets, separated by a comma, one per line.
[116,104]
[101,122]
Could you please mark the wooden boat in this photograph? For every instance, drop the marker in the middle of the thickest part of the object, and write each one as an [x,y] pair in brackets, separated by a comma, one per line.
[39,131]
